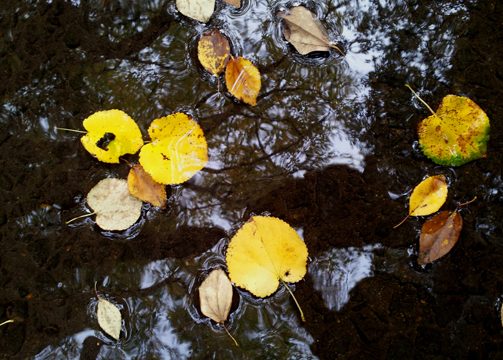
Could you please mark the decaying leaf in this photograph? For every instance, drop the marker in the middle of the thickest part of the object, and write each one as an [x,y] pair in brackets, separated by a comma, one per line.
[264,251]
[215,295]
[213,51]
[114,206]
[235,3]
[178,149]
[142,186]
[304,31]
[109,318]
[439,235]
[111,134]
[428,196]
[457,133]
[200,10]
[243,80]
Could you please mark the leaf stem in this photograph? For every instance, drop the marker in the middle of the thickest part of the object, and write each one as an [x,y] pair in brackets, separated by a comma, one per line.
[7,322]
[79,217]
[296,302]
[228,333]
[420,99]
[467,203]
[333,46]
[71,130]
[401,222]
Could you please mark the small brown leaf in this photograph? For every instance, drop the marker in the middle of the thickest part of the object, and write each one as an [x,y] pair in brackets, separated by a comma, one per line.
[215,295]
[213,51]
[439,235]
[235,3]
[142,186]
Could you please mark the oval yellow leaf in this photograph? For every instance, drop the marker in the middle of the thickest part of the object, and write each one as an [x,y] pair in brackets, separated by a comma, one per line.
[215,296]
[143,187]
[109,318]
[178,149]
[111,134]
[264,251]
[457,134]
[213,51]
[428,196]
[243,80]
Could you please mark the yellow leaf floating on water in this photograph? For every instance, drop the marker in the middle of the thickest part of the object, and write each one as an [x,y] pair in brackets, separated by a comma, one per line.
[213,51]
[428,196]
[456,134]
[243,80]
[200,10]
[264,251]
[143,187]
[109,318]
[111,134]
[178,149]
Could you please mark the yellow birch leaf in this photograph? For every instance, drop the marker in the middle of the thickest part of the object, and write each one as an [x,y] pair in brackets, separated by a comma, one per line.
[264,251]
[111,134]
[456,134]
[243,80]
[213,51]
[178,149]
[428,196]
[142,186]
[215,296]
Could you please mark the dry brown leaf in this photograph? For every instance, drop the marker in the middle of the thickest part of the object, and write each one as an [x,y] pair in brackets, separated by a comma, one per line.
[213,51]
[304,31]
[439,235]
[215,295]
[142,186]
[243,80]
[235,3]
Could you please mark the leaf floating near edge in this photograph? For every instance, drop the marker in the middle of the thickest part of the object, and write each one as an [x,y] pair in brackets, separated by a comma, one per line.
[243,80]
[439,235]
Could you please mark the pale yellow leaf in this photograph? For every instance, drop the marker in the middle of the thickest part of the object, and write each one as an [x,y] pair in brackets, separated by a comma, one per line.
[215,295]
[200,10]
[109,318]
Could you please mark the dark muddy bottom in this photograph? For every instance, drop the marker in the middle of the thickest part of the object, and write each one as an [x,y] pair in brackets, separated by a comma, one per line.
[329,148]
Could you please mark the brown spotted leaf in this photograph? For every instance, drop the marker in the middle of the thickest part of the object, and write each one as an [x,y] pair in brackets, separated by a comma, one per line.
[439,235]
[142,186]
[213,51]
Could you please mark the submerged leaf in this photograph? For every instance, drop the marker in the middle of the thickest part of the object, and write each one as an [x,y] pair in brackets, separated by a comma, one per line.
[114,206]
[200,10]
[439,235]
[142,186]
[428,196]
[109,318]
[215,295]
[243,80]
[456,134]
[213,51]
[111,134]
[264,251]
[178,149]
[304,31]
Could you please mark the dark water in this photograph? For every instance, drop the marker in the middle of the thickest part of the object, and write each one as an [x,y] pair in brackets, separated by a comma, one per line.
[329,148]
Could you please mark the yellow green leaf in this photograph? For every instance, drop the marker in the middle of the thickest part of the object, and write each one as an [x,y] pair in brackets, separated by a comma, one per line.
[428,196]
[178,149]
[111,134]
[456,134]
[109,318]
[243,80]
[213,51]
[264,251]
[143,187]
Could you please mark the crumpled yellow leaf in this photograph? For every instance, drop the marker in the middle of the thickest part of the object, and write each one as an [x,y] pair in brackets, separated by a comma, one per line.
[457,134]
[111,134]
[200,10]
[243,80]
[428,196]
[264,251]
[142,186]
[114,206]
[178,149]
[213,51]
[215,296]
[109,318]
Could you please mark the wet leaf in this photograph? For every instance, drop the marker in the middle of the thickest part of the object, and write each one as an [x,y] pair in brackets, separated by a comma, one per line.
[304,31]
[243,80]
[428,196]
[142,186]
[114,206]
[178,149]
[213,51]
[200,10]
[215,295]
[439,235]
[264,251]
[111,134]
[235,3]
[456,134]
[109,318]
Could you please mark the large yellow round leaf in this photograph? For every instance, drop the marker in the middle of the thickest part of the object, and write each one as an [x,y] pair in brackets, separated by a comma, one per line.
[264,251]
[243,80]
[111,134]
[457,134]
[428,196]
[178,149]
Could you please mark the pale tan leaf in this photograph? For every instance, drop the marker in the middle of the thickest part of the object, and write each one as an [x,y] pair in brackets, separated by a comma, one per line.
[235,3]
[215,295]
[109,318]
[200,10]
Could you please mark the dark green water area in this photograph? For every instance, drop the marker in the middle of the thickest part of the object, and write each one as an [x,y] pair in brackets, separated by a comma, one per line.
[331,148]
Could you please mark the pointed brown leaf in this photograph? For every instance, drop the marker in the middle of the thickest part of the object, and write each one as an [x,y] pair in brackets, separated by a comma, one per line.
[142,186]
[439,235]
